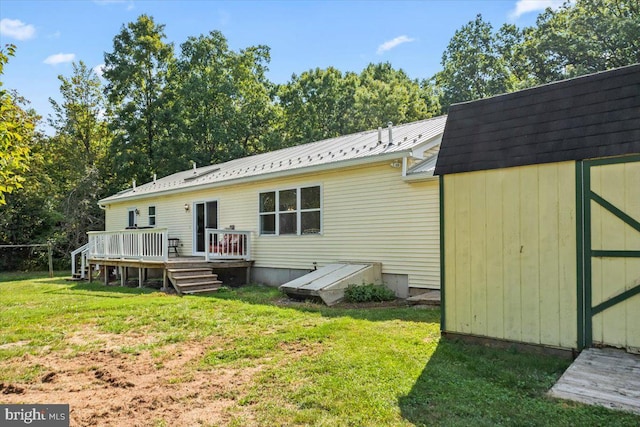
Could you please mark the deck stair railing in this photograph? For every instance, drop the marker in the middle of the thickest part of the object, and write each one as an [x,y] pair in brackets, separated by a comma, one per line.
[150,244]
[83,251]
[227,244]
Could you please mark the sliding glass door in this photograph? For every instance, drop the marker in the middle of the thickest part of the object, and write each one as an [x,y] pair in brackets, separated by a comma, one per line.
[205,215]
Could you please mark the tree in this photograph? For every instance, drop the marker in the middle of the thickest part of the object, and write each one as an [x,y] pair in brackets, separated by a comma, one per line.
[16,132]
[136,72]
[474,65]
[28,214]
[318,104]
[583,37]
[388,95]
[77,156]
[221,102]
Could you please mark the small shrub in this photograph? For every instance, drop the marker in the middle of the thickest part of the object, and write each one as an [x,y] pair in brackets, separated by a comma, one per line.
[368,293]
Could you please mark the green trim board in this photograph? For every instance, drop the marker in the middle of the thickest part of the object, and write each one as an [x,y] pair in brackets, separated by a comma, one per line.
[615,254]
[615,300]
[627,219]
[613,160]
[580,260]
[586,239]
[442,265]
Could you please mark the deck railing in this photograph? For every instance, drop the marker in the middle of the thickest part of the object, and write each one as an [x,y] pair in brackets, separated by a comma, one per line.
[141,244]
[227,244]
[83,251]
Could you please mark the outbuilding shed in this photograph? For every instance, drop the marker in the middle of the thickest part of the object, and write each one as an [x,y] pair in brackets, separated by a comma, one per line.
[540,214]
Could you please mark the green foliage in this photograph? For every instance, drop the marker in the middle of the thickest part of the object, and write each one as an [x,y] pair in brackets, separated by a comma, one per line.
[578,38]
[77,160]
[474,64]
[137,71]
[16,130]
[220,103]
[385,94]
[368,293]
[325,103]
[316,105]
[583,37]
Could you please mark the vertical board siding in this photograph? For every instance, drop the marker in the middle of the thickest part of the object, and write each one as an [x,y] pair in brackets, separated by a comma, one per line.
[510,254]
[368,214]
[619,184]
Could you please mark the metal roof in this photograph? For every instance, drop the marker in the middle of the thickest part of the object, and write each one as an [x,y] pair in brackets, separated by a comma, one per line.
[342,151]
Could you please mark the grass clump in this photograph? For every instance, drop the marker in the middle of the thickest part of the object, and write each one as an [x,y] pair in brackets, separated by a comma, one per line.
[368,293]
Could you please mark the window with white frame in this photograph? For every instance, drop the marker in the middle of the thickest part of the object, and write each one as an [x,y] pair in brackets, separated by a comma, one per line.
[291,211]
[152,216]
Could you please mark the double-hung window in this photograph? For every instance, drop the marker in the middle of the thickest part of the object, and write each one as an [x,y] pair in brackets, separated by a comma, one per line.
[152,216]
[292,211]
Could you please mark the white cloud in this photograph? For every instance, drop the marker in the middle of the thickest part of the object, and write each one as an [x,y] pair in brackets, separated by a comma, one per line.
[59,58]
[528,6]
[388,45]
[99,70]
[16,29]
[55,35]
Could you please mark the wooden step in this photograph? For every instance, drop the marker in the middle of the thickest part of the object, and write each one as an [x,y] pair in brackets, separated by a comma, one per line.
[190,273]
[188,279]
[195,279]
[200,287]
[199,291]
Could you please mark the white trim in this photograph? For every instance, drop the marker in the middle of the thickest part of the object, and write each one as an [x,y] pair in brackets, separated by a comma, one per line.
[298,210]
[154,216]
[135,217]
[194,225]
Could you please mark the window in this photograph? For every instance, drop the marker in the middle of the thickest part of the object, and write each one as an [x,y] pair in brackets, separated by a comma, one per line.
[152,216]
[291,211]
[131,217]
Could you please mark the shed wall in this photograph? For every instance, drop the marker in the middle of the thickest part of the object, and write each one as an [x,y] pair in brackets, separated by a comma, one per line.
[368,214]
[510,254]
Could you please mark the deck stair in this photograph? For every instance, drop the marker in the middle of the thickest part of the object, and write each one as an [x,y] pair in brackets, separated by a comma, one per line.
[330,281]
[187,279]
[77,276]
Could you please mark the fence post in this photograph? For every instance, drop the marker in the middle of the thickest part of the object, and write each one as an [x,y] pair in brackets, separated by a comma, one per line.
[50,250]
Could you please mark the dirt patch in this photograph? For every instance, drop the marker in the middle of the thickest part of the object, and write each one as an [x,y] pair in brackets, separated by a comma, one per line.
[10,389]
[108,387]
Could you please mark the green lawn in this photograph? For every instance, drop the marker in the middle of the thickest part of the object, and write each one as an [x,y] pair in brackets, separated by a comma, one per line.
[311,365]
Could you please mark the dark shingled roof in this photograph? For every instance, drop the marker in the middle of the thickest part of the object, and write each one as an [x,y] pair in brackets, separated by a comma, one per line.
[587,117]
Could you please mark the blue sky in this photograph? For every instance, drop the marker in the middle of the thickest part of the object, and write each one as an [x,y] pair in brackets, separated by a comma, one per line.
[348,35]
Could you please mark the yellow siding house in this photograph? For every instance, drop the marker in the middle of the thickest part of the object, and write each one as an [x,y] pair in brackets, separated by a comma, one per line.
[368,197]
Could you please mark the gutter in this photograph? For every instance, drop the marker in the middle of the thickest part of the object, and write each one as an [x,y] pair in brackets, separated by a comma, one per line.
[270,175]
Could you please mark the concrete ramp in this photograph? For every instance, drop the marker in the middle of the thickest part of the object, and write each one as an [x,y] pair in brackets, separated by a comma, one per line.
[330,281]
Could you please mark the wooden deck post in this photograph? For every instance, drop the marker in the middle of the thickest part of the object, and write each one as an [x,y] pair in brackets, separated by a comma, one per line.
[164,279]
[123,273]
[90,276]
[140,274]
[106,275]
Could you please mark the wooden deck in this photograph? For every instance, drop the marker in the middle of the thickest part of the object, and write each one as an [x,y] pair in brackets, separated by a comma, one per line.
[604,377]
[121,267]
